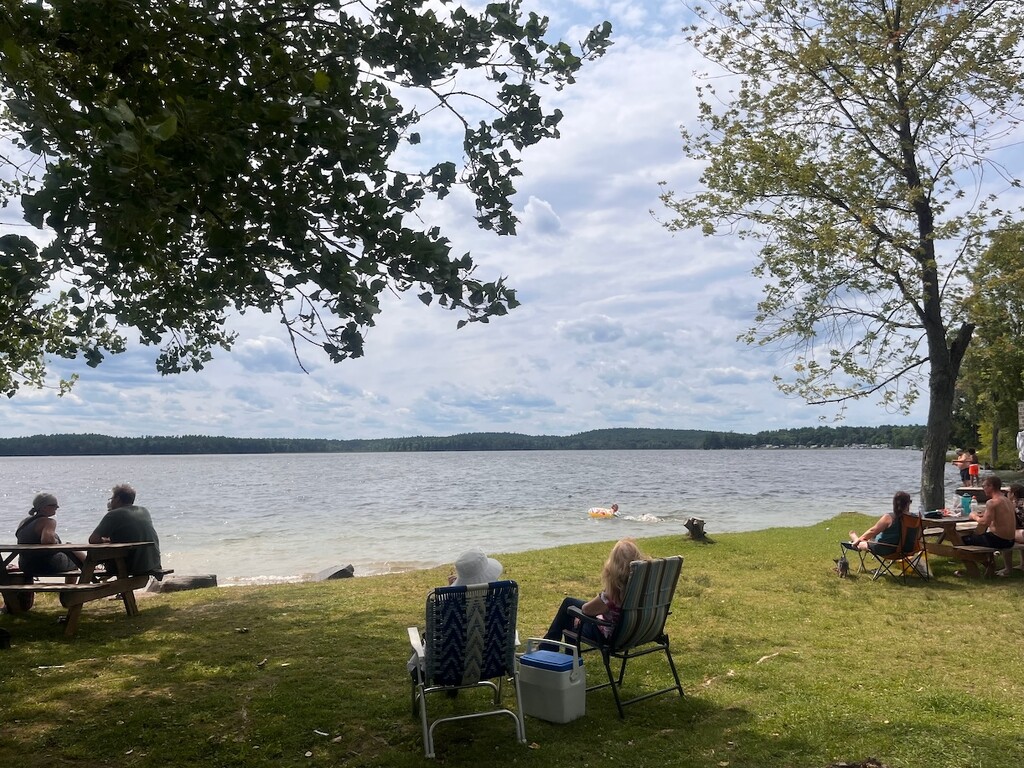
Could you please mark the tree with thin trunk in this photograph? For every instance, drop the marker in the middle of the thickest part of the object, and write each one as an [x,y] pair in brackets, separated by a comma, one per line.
[864,146]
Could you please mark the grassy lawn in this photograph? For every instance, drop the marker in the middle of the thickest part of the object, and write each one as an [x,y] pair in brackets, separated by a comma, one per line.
[783,663]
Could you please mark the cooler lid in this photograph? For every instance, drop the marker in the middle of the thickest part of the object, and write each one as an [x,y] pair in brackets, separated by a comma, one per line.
[551,660]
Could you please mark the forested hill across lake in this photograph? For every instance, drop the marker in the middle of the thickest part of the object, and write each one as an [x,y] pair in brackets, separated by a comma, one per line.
[594,440]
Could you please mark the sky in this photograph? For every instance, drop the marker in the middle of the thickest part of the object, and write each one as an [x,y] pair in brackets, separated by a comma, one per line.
[622,323]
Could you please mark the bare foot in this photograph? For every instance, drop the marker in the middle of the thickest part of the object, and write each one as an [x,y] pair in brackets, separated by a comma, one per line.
[1003,572]
[853,537]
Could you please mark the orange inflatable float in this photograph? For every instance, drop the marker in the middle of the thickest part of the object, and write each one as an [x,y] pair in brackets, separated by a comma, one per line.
[601,512]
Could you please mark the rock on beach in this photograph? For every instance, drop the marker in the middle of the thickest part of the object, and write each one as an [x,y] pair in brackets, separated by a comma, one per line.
[180,583]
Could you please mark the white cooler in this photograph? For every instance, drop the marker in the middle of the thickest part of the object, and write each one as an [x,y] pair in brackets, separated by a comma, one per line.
[553,684]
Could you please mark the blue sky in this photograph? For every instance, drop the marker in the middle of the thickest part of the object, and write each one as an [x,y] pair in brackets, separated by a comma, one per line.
[622,323]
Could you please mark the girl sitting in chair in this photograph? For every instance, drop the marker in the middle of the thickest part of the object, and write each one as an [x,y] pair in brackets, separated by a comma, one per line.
[607,604]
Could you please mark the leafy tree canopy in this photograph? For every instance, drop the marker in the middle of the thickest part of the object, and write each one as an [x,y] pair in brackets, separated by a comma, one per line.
[994,364]
[195,158]
[860,143]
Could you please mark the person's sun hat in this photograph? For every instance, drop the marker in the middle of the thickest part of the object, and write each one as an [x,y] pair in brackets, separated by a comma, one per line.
[474,567]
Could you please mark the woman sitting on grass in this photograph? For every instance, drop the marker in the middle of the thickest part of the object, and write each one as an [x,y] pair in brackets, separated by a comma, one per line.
[607,605]
[884,536]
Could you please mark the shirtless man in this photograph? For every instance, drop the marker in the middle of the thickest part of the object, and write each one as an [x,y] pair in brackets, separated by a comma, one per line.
[997,521]
[963,463]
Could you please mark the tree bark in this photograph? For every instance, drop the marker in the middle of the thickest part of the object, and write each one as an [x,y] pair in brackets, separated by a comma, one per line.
[944,369]
[936,441]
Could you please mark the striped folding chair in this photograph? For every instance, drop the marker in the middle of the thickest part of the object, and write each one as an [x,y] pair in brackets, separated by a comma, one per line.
[469,642]
[641,628]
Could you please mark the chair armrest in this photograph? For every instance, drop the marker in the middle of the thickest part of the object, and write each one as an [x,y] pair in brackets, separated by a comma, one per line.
[416,642]
[574,611]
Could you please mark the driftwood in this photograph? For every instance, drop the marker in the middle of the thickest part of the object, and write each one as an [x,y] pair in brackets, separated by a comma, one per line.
[696,528]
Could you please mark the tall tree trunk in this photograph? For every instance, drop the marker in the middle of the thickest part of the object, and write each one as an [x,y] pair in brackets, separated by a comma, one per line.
[943,371]
[994,451]
[936,442]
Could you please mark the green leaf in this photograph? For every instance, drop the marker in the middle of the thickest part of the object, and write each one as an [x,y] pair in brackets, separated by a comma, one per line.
[126,140]
[120,113]
[166,129]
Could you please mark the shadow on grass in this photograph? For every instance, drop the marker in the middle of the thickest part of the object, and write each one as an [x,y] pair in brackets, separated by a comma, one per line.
[314,674]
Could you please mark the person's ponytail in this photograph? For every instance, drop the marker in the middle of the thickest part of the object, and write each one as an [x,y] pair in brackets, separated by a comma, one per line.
[900,504]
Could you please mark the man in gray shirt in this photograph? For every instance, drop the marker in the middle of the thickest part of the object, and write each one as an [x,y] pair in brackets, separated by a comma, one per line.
[124,523]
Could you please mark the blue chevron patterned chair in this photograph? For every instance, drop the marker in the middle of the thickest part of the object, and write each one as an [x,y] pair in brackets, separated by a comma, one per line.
[469,642]
[641,628]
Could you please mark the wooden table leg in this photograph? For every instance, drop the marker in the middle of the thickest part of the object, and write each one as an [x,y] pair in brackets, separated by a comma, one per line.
[130,606]
[71,620]
[127,596]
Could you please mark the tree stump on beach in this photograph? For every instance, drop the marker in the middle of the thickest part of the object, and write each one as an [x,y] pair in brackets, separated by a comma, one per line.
[696,528]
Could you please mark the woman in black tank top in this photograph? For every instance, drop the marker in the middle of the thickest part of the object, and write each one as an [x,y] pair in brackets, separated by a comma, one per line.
[40,527]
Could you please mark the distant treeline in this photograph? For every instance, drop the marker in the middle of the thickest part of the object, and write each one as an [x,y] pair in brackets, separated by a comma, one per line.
[594,440]
[827,437]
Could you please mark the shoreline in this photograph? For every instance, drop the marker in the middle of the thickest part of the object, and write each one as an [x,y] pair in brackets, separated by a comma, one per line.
[311,578]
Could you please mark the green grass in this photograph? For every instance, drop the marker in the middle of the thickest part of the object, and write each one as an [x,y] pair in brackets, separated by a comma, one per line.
[783,663]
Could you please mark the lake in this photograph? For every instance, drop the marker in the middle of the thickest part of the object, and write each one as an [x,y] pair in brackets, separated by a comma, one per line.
[284,517]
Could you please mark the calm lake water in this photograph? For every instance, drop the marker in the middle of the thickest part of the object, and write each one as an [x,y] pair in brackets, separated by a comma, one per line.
[252,519]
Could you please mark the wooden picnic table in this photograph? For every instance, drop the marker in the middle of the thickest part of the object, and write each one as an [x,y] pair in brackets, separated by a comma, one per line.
[943,536]
[85,585]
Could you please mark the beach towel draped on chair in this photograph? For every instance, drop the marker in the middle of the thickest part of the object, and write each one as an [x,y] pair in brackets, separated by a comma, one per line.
[640,630]
[469,641]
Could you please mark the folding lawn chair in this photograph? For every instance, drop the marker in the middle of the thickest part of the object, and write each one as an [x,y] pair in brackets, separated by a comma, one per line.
[640,630]
[469,642]
[909,556]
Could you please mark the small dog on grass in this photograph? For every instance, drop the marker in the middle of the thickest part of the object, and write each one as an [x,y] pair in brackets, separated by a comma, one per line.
[842,566]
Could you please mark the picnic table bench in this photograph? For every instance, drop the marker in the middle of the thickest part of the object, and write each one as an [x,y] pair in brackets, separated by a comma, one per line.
[943,537]
[76,587]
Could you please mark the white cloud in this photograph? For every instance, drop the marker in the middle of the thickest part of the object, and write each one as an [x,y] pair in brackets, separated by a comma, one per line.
[539,217]
[592,330]
[268,354]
